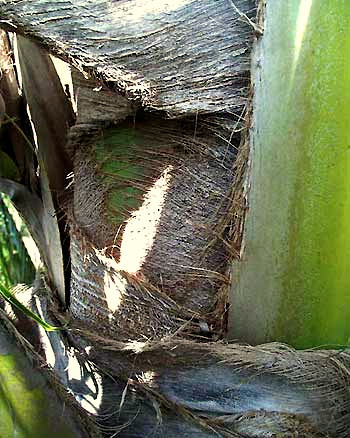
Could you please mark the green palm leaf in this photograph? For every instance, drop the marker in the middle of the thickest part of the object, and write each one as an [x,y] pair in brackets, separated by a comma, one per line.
[10,298]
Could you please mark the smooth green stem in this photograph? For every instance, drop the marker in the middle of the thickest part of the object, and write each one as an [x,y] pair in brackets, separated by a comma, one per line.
[293,283]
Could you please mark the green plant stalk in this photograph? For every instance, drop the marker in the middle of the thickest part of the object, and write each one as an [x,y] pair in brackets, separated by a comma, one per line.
[293,281]
[10,298]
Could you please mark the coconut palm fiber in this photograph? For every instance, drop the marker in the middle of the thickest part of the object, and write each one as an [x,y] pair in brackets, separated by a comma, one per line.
[150,211]
[149,199]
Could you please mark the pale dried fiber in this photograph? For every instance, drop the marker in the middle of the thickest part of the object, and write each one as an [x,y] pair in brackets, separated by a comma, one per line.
[184,57]
[204,389]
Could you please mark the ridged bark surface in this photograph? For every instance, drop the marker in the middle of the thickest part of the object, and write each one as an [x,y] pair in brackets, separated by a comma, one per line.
[184,57]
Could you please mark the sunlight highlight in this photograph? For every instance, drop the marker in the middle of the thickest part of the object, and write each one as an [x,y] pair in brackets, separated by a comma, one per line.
[303,17]
[44,337]
[138,238]
[87,390]
[137,11]
[114,286]
[147,377]
[141,228]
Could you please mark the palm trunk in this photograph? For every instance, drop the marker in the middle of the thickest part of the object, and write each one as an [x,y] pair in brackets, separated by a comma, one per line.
[154,155]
